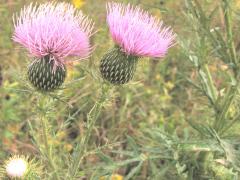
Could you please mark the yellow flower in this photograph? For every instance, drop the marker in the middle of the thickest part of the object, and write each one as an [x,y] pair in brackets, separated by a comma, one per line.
[68,147]
[113,177]
[169,85]
[78,3]
[237,4]
[158,77]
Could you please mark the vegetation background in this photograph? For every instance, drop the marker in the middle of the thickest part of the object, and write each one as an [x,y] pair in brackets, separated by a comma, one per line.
[144,117]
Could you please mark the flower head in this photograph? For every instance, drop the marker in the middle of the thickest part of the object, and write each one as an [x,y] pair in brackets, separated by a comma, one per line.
[21,167]
[16,167]
[137,32]
[53,29]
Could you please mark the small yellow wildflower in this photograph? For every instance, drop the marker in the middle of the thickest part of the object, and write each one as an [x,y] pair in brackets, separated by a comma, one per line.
[158,77]
[113,177]
[68,147]
[78,3]
[237,4]
[169,85]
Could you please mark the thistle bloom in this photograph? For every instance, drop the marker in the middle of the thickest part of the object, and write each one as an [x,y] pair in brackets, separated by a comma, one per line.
[21,167]
[136,34]
[51,33]
[16,167]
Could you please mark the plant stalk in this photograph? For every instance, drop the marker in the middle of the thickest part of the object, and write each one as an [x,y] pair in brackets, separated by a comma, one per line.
[228,24]
[91,120]
[210,83]
[47,147]
[43,121]
[219,121]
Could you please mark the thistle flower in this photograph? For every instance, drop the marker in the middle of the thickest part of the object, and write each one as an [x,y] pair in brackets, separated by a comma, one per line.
[52,32]
[136,34]
[21,167]
[16,167]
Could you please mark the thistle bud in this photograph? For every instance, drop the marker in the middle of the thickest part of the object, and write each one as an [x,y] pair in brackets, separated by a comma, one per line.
[45,76]
[117,67]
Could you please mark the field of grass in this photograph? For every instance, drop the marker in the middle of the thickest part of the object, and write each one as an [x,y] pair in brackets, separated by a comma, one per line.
[177,119]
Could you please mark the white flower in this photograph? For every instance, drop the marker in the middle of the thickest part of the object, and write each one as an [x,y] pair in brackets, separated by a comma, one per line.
[16,167]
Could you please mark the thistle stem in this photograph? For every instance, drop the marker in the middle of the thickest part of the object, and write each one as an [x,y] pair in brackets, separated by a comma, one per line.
[91,120]
[228,24]
[48,154]
[47,147]
[210,83]
[219,122]
[204,158]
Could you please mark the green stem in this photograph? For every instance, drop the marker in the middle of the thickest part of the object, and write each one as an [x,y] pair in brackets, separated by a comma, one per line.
[204,158]
[43,120]
[228,23]
[47,147]
[210,83]
[236,119]
[220,118]
[219,121]
[91,120]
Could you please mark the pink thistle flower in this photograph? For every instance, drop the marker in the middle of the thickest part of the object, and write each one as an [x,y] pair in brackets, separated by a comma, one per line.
[56,30]
[137,32]
[51,32]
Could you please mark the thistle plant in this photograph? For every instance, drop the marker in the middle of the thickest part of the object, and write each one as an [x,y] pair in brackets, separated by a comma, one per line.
[52,33]
[136,34]
[213,152]
[220,42]
[204,146]
[208,148]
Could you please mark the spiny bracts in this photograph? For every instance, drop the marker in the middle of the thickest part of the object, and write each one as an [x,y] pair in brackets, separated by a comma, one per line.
[118,67]
[44,76]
